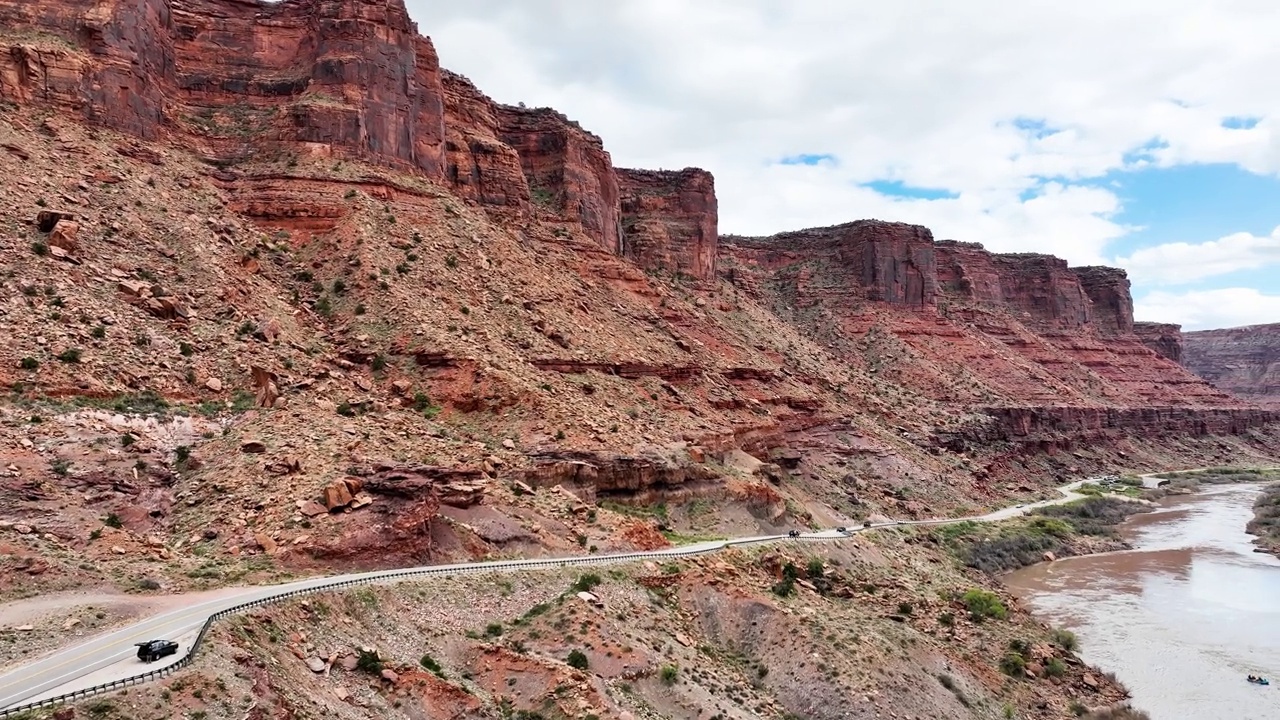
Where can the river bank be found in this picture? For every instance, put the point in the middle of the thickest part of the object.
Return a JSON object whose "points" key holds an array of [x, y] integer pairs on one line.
{"points": [[1265, 525], [1183, 615]]}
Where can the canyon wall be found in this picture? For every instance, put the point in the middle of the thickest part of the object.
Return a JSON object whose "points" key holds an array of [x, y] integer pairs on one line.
{"points": [[568, 170], [1243, 360], [478, 165], [669, 220], [859, 262], [238, 79], [1021, 328], [1108, 292], [1165, 339]]}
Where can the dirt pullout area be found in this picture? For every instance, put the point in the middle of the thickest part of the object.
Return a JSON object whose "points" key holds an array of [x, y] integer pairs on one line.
{"points": [[36, 626], [878, 625]]}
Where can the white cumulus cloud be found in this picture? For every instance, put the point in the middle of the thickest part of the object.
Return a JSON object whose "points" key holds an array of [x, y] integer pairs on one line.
{"points": [[1181, 262], [1015, 109], [1207, 309]]}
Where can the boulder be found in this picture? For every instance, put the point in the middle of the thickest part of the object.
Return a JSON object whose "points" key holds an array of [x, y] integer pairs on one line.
{"points": [[337, 496], [65, 235]]}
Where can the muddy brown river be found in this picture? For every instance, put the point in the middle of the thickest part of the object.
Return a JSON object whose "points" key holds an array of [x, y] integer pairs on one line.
{"points": [[1182, 618]]}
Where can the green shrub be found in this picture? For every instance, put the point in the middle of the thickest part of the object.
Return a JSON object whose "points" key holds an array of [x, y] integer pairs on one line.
{"points": [[493, 629], [669, 674], [905, 608], [815, 568], [1055, 668], [368, 661], [430, 664], [1065, 639], [70, 355], [113, 521], [947, 619], [983, 604], [586, 582], [29, 363], [1013, 664], [577, 659]]}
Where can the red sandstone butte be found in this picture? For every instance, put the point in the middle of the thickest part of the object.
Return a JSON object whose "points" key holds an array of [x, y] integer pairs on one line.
{"points": [[1242, 360], [669, 220]]}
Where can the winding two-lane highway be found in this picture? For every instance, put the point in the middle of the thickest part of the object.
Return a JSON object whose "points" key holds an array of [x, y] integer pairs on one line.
{"points": [[112, 656]]}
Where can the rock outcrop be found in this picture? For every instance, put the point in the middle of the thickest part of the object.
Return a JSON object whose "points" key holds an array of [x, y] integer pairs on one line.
{"points": [[479, 165], [1165, 339], [858, 262], [568, 170], [1243, 360], [238, 79], [1040, 289], [669, 220], [1108, 291]]}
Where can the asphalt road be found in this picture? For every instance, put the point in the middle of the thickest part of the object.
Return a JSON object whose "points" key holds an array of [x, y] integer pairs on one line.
{"points": [[113, 656]]}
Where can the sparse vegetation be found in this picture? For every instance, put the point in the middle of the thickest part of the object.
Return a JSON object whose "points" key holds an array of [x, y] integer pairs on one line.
{"points": [[577, 659], [983, 604], [70, 355]]}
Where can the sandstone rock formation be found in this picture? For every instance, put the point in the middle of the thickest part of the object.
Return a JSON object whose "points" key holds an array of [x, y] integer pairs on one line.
{"points": [[568, 170], [669, 220], [1243, 360], [237, 78], [867, 261], [480, 166], [1164, 338]]}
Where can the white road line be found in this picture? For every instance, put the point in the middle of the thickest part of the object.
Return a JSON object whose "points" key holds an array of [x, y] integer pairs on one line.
{"points": [[200, 613]]}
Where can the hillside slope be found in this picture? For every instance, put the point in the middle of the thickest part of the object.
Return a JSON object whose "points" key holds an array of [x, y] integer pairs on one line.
{"points": [[283, 296]]}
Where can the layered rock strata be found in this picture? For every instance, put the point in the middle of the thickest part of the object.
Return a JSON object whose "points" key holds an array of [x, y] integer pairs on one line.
{"points": [[1243, 360], [669, 220]]}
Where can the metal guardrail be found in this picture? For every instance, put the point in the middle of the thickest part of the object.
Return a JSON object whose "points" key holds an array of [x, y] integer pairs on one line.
{"points": [[189, 657], [375, 577]]}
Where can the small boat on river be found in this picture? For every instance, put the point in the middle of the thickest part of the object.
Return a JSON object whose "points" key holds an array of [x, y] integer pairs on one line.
{"points": [[1259, 680]]}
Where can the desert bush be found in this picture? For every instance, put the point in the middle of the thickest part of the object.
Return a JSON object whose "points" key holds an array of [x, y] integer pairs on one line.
{"points": [[983, 604]]}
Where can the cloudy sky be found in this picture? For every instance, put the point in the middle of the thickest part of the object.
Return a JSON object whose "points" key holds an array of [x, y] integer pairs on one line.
{"points": [[1126, 132]]}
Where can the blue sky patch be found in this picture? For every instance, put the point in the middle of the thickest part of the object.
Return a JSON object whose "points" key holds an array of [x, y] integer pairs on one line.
{"points": [[808, 159], [896, 188], [1035, 127], [1196, 204], [1240, 123]]}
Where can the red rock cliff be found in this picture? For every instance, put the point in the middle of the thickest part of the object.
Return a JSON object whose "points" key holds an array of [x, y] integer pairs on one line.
{"points": [[1163, 338], [568, 170], [479, 166], [669, 220], [867, 260], [345, 78], [1040, 288], [1243, 360], [1108, 290]]}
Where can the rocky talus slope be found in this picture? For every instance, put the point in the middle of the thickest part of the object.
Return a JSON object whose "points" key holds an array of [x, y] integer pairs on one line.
{"points": [[283, 296], [1244, 361]]}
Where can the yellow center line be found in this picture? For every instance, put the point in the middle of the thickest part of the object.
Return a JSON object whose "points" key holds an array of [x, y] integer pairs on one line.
{"points": [[120, 636]]}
